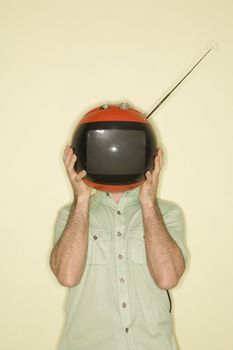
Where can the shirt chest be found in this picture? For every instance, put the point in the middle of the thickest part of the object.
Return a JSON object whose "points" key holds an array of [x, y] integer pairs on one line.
{"points": [[116, 234]]}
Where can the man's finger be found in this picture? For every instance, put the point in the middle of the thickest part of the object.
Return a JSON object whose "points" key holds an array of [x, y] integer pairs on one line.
{"points": [[148, 176], [158, 160], [67, 155], [70, 165], [157, 168], [81, 175], [160, 154], [65, 151]]}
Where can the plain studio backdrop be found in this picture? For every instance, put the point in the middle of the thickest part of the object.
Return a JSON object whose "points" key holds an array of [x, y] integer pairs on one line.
{"points": [[58, 60]]}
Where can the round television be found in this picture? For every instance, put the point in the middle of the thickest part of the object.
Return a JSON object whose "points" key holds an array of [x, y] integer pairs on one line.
{"points": [[116, 145]]}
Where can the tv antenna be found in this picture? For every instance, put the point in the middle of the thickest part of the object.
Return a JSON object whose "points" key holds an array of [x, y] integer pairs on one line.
{"points": [[211, 47]]}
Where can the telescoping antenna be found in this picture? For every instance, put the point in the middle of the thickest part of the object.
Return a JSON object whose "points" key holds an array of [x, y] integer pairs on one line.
{"points": [[211, 47]]}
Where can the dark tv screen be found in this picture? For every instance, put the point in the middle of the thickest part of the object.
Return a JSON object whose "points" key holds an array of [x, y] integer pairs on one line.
{"points": [[116, 152]]}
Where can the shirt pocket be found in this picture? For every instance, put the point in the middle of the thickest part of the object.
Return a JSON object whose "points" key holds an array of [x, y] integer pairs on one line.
{"points": [[98, 247], [137, 246], [137, 253]]}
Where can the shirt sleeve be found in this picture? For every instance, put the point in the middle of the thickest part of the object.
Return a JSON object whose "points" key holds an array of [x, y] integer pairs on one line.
{"points": [[61, 221], [174, 220]]}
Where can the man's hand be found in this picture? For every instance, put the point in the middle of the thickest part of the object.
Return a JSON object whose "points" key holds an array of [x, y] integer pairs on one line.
{"points": [[80, 189], [148, 191]]}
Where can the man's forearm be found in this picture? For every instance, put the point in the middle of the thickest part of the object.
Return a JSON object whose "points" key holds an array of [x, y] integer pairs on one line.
{"points": [[68, 257], [164, 257]]}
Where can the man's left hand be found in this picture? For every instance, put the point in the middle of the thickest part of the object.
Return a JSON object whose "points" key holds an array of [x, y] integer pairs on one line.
{"points": [[149, 188]]}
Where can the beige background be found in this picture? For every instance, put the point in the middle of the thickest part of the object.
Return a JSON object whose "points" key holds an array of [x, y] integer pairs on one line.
{"points": [[58, 60]]}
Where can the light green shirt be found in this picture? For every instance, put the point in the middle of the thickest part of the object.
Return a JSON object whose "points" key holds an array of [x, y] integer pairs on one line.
{"points": [[117, 305]]}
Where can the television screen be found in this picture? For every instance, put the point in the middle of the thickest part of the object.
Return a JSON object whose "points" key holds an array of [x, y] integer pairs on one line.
{"points": [[115, 152]]}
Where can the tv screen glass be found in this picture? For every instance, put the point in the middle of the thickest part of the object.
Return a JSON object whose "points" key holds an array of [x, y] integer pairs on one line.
{"points": [[115, 152]]}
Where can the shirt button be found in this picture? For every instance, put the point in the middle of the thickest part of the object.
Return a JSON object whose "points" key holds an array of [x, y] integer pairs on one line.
{"points": [[95, 237], [124, 305], [126, 329], [118, 212], [120, 256], [122, 280], [119, 233]]}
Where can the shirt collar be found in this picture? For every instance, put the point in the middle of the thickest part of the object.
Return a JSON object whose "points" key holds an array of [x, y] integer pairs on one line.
{"points": [[129, 197]]}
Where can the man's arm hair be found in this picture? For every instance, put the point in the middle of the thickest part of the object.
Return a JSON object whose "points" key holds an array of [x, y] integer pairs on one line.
{"points": [[69, 254], [164, 257]]}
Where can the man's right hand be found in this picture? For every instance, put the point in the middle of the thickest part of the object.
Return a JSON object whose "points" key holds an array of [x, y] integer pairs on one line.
{"points": [[80, 189]]}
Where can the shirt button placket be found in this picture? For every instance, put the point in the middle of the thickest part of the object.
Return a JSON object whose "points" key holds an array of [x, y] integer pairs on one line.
{"points": [[121, 276]]}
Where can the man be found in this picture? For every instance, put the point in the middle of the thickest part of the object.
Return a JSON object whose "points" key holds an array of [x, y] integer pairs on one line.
{"points": [[118, 253]]}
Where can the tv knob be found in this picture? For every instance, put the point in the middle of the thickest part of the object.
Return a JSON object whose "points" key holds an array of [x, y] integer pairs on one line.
{"points": [[124, 105], [105, 106]]}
